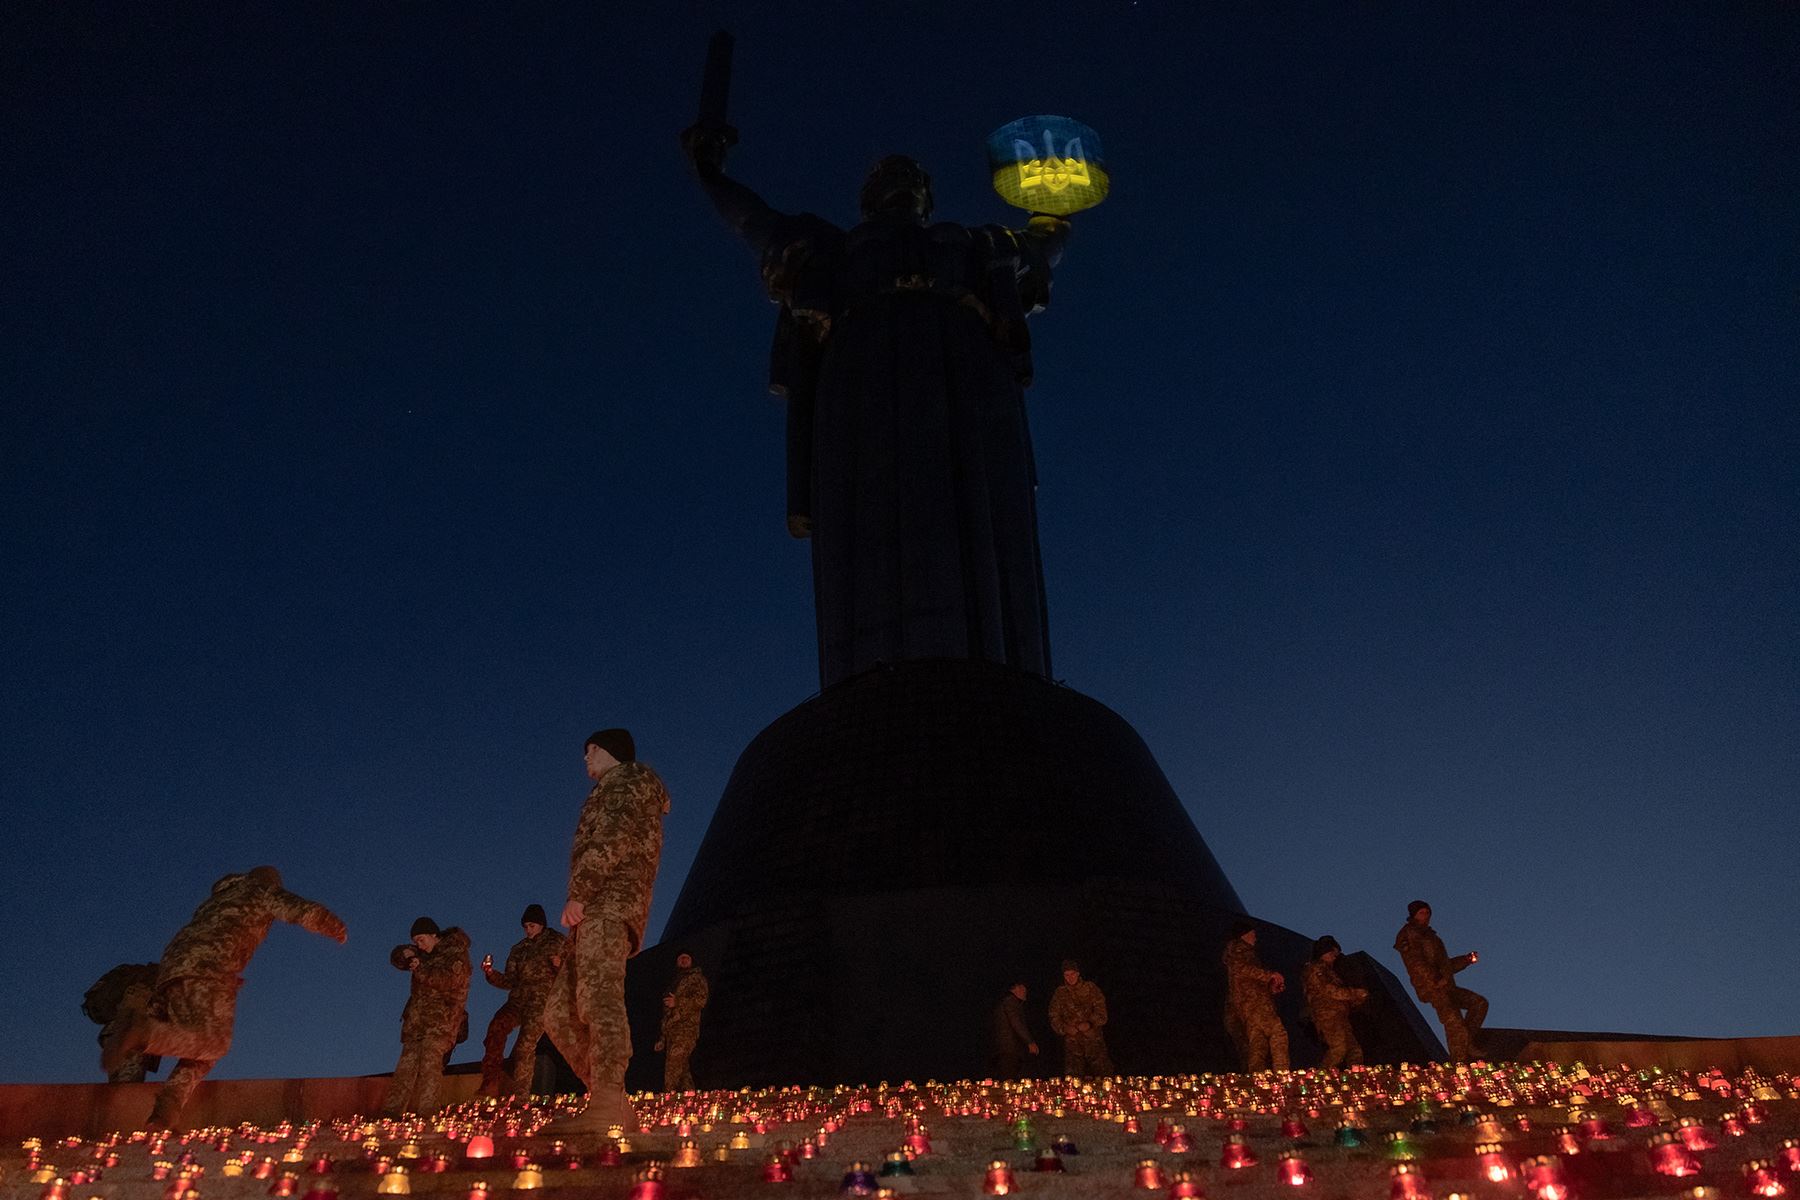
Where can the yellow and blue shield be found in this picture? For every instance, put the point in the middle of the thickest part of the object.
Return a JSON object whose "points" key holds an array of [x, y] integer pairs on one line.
{"points": [[1048, 165]]}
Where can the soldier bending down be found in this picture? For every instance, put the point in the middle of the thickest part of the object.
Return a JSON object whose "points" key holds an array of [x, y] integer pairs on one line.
{"points": [[191, 1013]]}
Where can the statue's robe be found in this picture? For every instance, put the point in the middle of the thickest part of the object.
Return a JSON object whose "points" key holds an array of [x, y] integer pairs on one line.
{"points": [[903, 354]]}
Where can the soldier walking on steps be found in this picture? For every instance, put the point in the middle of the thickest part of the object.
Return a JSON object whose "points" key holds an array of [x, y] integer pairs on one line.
{"points": [[1253, 988], [435, 1011], [1433, 973], [194, 1005], [1330, 1002], [681, 1023], [530, 967], [612, 869], [1078, 1015]]}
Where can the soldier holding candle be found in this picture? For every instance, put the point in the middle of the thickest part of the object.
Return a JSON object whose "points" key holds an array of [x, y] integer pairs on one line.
{"points": [[530, 967], [612, 868], [1253, 988], [1433, 973], [434, 1013], [1078, 1015], [1330, 1002], [194, 1005]]}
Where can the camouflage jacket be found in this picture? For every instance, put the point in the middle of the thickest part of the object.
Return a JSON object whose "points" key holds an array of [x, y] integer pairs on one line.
{"points": [[1247, 981], [1073, 1005], [440, 989], [1428, 965], [690, 991], [618, 842], [107, 996], [530, 966], [1326, 995], [224, 932]]}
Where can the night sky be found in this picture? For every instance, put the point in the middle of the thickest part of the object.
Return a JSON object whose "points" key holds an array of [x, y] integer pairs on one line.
{"points": [[383, 412]]}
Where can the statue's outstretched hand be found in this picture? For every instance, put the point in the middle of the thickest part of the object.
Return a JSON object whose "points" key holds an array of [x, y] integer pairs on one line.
{"points": [[706, 147]]}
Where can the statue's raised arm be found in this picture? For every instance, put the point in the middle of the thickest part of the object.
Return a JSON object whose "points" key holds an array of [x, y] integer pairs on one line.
{"points": [[749, 216]]}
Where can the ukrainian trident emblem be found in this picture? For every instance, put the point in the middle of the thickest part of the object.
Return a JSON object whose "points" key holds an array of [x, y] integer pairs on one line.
{"points": [[1048, 165]]}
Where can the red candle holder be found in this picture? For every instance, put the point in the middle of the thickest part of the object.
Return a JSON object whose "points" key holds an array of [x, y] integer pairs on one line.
{"points": [[1406, 1183], [1179, 1142], [1544, 1178], [609, 1155], [1292, 1128], [776, 1170], [285, 1184], [647, 1186], [1149, 1176], [479, 1146], [1789, 1155], [1236, 1153], [1671, 1157], [1761, 1179], [999, 1179], [1694, 1135], [1048, 1161], [1496, 1165], [1183, 1186], [1294, 1170], [1732, 1125]]}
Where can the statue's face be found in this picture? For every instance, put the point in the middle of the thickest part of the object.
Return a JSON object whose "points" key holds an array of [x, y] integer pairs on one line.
{"points": [[897, 185]]}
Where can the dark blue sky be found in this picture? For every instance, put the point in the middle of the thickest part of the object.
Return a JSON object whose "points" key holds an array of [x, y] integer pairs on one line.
{"points": [[1417, 427]]}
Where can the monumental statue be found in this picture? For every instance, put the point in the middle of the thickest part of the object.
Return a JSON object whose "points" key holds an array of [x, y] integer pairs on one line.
{"points": [[943, 819]]}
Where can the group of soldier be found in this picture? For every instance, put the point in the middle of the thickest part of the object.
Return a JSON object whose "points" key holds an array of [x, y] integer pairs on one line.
{"points": [[571, 988], [1078, 1008]]}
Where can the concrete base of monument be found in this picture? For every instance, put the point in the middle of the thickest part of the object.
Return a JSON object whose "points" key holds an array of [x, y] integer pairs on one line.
{"points": [[891, 854], [902, 985]]}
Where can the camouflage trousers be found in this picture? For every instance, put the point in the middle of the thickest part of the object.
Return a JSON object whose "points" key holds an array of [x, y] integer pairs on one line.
{"points": [[1265, 1041], [1234, 1029], [190, 1020], [1085, 1054], [1461, 1013], [677, 1075], [419, 1075], [527, 1016], [1341, 1047], [585, 1016]]}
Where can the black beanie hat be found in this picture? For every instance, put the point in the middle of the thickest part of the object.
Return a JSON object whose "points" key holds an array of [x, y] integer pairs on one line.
{"points": [[1240, 927], [616, 742], [1324, 946], [1412, 910], [400, 954], [534, 915], [424, 925]]}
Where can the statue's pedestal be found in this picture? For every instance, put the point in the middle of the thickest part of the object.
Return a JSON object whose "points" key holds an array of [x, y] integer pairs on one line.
{"points": [[890, 855]]}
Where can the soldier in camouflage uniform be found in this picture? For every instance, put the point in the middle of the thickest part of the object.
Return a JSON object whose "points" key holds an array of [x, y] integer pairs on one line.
{"points": [[681, 1023], [530, 966], [1078, 1015], [1433, 974], [435, 1011], [192, 1010], [1330, 1002], [116, 1001], [618, 843], [1252, 995]]}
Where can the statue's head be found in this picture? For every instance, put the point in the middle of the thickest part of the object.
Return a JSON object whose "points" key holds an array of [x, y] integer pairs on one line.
{"points": [[897, 185]]}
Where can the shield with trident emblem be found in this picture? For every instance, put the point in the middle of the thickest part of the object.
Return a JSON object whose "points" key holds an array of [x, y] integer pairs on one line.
{"points": [[1048, 164]]}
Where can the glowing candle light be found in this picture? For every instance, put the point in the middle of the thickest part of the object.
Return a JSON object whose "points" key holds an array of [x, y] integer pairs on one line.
{"points": [[1496, 1167], [284, 1184], [1694, 1135], [1149, 1176], [1406, 1183], [776, 1170], [1179, 1142], [1544, 1177], [394, 1183], [647, 1185], [1183, 1186], [1294, 1170], [1236, 1154], [1048, 1160], [1789, 1155], [1292, 1128], [1760, 1177], [999, 1179], [1671, 1157]]}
